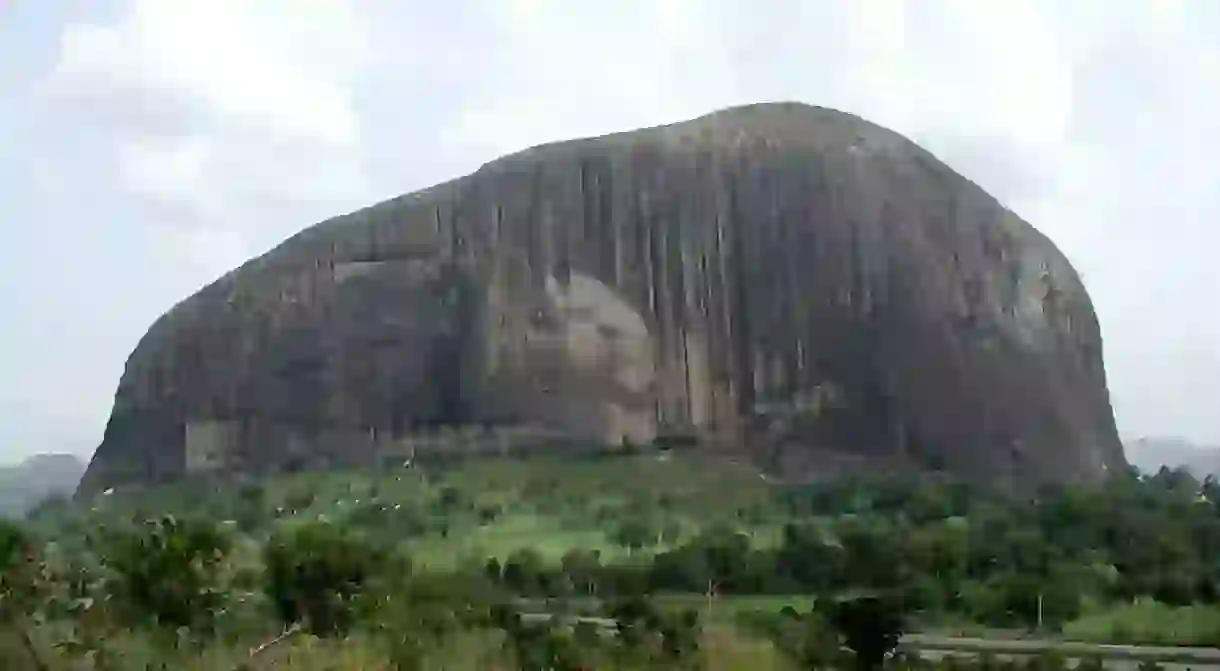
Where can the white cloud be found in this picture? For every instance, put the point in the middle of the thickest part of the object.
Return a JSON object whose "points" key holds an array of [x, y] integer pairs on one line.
{"points": [[172, 169], [230, 114], [555, 70], [213, 251], [276, 65]]}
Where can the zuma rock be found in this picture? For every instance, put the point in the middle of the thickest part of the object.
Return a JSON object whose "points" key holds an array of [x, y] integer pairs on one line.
{"points": [[786, 280]]}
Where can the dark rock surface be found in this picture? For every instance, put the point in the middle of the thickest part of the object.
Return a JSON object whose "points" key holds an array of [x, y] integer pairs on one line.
{"points": [[779, 278]]}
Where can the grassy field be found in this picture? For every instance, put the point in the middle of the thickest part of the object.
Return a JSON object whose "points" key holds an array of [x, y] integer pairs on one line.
{"points": [[550, 505], [1148, 623]]}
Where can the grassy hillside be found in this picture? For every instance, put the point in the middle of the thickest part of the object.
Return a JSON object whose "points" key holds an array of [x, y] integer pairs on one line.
{"points": [[479, 508]]}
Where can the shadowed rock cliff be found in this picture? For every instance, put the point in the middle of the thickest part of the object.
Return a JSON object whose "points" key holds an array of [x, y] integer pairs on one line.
{"points": [[783, 279]]}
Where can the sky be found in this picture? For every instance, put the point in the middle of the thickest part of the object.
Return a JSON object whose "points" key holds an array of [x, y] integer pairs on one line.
{"points": [[148, 146]]}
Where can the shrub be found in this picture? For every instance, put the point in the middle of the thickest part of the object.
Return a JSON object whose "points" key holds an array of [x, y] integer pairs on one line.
{"points": [[871, 627], [19, 591], [807, 640], [314, 575], [167, 572], [17, 568]]}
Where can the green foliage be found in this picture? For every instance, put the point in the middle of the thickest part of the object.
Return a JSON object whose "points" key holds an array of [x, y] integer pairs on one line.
{"points": [[634, 533], [1132, 560], [643, 631], [17, 572], [1147, 622], [21, 588], [580, 568], [315, 574], [808, 640], [524, 572], [387, 521], [426, 612], [870, 626], [449, 499], [167, 573], [541, 646]]}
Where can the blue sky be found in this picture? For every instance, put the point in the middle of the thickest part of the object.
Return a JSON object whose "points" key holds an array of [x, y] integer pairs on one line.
{"points": [[147, 146]]}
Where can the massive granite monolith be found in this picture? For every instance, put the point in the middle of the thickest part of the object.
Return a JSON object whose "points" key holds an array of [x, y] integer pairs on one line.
{"points": [[786, 280]]}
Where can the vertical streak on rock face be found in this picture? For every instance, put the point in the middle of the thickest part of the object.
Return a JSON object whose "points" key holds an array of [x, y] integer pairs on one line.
{"points": [[675, 294], [719, 295], [652, 264], [685, 302], [718, 305], [496, 321], [610, 249], [436, 222], [665, 317], [655, 217], [698, 328], [694, 325], [718, 308], [766, 339], [791, 309], [546, 241], [776, 347], [607, 214], [741, 338], [530, 224]]}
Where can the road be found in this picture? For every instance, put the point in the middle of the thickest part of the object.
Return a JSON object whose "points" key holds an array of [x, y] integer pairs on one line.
{"points": [[1115, 656], [1123, 657]]}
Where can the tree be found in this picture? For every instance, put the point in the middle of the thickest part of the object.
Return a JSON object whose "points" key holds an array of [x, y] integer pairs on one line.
{"points": [[940, 551], [870, 625], [808, 640], [540, 646], [581, 568], [315, 574], [930, 501], [728, 557], [19, 587], [684, 569], [493, 570], [635, 618], [419, 616], [873, 552], [634, 533], [167, 572], [449, 499], [814, 562], [523, 571], [680, 635], [248, 508]]}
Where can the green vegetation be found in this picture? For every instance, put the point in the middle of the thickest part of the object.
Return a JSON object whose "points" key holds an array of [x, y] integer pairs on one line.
{"points": [[1148, 622], [620, 562]]}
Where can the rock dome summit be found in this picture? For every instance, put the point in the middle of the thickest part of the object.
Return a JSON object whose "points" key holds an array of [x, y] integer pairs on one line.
{"points": [[785, 280]]}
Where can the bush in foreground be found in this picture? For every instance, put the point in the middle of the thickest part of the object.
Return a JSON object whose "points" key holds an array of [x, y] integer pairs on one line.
{"points": [[167, 573], [316, 573]]}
